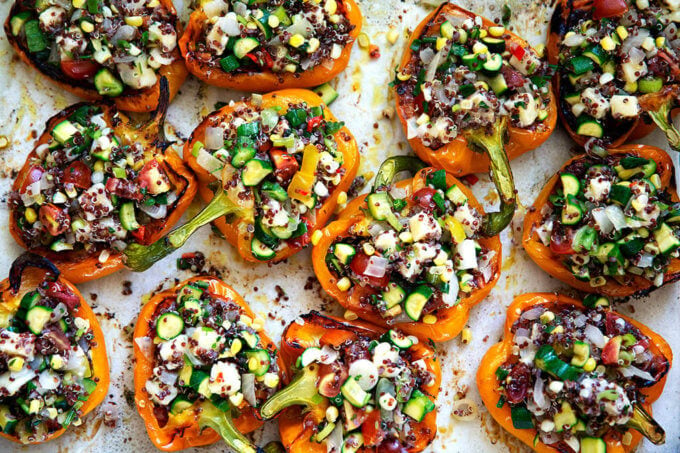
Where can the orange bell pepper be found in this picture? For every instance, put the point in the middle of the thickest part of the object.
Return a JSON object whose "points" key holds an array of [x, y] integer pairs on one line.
{"points": [[80, 266], [265, 80], [194, 426], [551, 262], [29, 272], [238, 199], [488, 381], [304, 408], [143, 100], [459, 156], [450, 321], [657, 108]]}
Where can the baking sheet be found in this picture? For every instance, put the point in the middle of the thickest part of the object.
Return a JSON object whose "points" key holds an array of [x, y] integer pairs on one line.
{"points": [[280, 292]]}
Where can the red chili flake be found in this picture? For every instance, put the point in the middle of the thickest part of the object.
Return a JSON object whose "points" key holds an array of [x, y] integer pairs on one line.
{"points": [[313, 122]]}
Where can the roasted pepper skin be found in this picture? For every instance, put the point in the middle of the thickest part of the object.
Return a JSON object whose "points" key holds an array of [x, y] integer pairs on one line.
{"points": [[9, 302], [551, 263], [235, 231], [487, 381], [316, 329], [184, 432], [80, 266], [452, 320], [266, 81], [456, 157], [144, 100], [642, 125]]}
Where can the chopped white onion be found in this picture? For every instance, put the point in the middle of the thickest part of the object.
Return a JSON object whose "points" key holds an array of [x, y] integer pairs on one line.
{"points": [[157, 211], [615, 215], [426, 55], [530, 315], [539, 392], [594, 335], [602, 221], [631, 371], [377, 266], [214, 137], [145, 345], [210, 163], [248, 388], [125, 33]]}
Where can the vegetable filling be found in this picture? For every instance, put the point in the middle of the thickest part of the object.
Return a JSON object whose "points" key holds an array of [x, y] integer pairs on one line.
{"points": [[45, 363], [575, 373], [287, 165], [272, 35], [413, 254], [463, 76], [88, 190], [109, 45], [610, 218], [206, 348]]}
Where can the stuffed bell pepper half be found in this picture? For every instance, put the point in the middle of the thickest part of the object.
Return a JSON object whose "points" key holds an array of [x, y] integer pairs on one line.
{"points": [[466, 85], [95, 183], [574, 377], [203, 366], [411, 254], [272, 169], [101, 49], [54, 368], [356, 388], [609, 225], [267, 45], [618, 69]]}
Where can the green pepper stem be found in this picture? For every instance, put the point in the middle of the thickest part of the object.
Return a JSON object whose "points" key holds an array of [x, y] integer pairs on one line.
{"points": [[392, 166], [478, 139], [662, 118], [302, 391], [140, 257], [221, 422], [647, 426]]}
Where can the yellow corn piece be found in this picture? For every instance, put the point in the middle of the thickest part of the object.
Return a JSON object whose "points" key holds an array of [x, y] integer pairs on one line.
{"points": [[456, 229]]}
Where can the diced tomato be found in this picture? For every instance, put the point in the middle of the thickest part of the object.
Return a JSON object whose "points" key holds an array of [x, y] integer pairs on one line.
{"points": [[470, 179], [79, 69], [55, 220], [609, 8], [372, 429], [253, 58], [423, 198], [302, 241], [124, 188], [561, 241], [34, 175], [286, 165], [337, 374], [359, 264], [153, 179], [268, 60], [314, 122], [610, 352], [139, 233], [58, 291], [517, 50], [78, 174]]}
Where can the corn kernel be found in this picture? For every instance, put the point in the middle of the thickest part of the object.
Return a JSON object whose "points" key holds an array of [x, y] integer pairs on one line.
{"points": [[52, 413], [622, 32], [558, 329], [350, 315], [424, 118], [34, 406], [134, 21], [246, 320], [236, 399], [462, 36], [483, 33], [392, 36], [363, 40], [547, 317], [441, 42], [445, 277], [344, 283], [656, 180], [271, 380], [660, 41], [368, 249], [429, 319], [16, 364], [440, 259], [496, 32], [153, 3], [258, 324], [296, 40], [466, 335], [630, 87], [540, 50], [403, 77], [253, 363], [4, 142], [316, 237], [86, 26], [236, 346], [30, 215], [335, 18], [336, 51], [78, 4], [290, 67], [314, 44], [330, 7], [648, 43], [406, 236], [589, 365], [393, 312], [608, 43], [332, 414], [482, 85], [273, 21], [342, 197], [253, 26]]}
